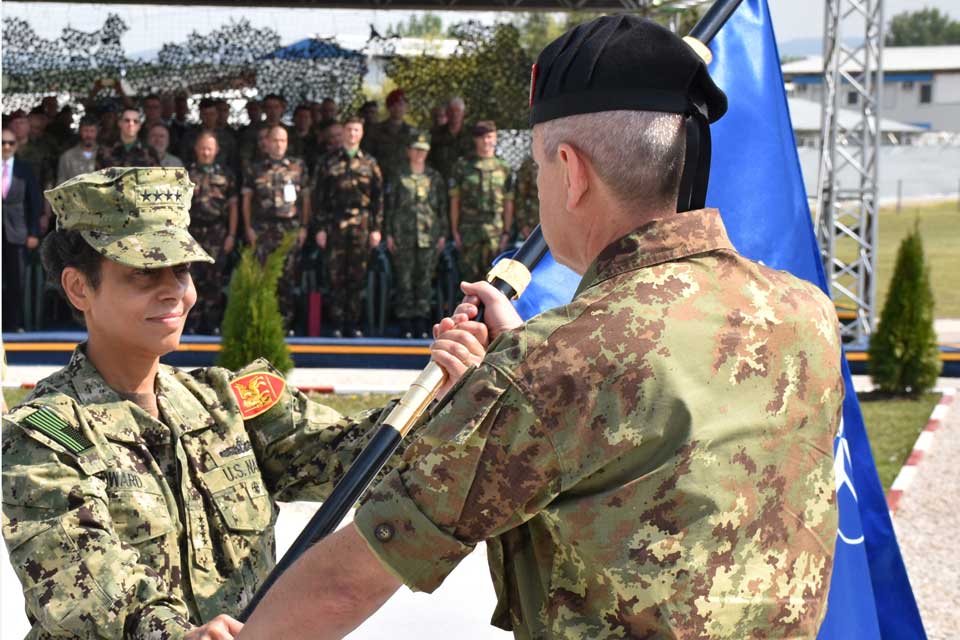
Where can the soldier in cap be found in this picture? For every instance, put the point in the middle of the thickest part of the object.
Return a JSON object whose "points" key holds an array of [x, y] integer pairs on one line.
{"points": [[139, 501], [481, 203], [651, 460], [416, 228]]}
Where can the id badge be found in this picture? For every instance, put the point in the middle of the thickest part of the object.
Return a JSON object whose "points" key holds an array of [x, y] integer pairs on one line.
{"points": [[289, 192]]}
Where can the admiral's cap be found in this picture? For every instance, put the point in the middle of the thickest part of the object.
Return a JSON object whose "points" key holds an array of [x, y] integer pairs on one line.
{"points": [[135, 216], [420, 140], [615, 63]]}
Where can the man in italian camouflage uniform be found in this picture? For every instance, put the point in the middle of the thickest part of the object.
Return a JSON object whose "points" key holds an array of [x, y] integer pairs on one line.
{"points": [[416, 228], [653, 459], [526, 213], [481, 203], [451, 141], [213, 223], [139, 501], [128, 151], [276, 201], [349, 197], [388, 139]]}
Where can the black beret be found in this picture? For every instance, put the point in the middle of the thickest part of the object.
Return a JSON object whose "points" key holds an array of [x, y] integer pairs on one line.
{"points": [[623, 62]]}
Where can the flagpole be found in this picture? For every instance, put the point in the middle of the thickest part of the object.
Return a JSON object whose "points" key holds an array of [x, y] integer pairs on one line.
{"points": [[510, 276]]}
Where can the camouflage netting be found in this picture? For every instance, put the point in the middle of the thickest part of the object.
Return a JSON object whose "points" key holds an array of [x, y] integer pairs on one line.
{"points": [[236, 60], [490, 70]]}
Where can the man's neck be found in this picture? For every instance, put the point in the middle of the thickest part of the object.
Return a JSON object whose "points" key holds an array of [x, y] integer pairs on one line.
{"points": [[418, 167], [128, 143], [616, 222], [455, 127]]}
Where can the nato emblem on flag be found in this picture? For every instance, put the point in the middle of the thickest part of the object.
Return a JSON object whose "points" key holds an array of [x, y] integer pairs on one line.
{"points": [[756, 184]]}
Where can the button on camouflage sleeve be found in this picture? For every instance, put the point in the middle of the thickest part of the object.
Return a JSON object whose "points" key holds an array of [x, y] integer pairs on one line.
{"points": [[79, 579], [484, 465], [303, 447]]}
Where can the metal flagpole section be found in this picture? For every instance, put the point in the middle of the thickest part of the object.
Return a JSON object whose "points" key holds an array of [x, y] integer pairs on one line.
{"points": [[847, 209]]}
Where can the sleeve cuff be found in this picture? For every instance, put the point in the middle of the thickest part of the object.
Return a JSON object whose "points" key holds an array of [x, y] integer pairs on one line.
{"points": [[407, 542], [162, 622]]}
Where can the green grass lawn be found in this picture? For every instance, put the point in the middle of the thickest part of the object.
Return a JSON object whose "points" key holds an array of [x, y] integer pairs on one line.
{"points": [[940, 229], [892, 424]]}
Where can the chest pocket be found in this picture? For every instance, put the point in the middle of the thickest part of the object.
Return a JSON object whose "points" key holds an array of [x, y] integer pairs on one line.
{"points": [[137, 506], [237, 491]]}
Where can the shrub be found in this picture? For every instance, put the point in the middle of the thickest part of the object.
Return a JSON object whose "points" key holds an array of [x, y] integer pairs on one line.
{"points": [[904, 357], [252, 325]]}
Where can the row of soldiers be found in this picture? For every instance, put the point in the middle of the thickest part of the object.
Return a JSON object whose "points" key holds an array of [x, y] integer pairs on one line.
{"points": [[344, 186]]}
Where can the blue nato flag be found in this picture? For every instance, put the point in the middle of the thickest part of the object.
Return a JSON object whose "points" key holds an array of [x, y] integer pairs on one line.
{"points": [[756, 183]]}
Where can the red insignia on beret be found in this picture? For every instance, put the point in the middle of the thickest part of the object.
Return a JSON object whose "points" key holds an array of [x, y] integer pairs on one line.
{"points": [[257, 392], [533, 81]]}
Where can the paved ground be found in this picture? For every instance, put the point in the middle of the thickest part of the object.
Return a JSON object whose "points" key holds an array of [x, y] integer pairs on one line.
{"points": [[926, 523]]}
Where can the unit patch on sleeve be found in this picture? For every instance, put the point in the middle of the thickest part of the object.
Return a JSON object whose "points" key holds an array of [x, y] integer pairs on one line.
{"points": [[257, 392], [56, 428]]}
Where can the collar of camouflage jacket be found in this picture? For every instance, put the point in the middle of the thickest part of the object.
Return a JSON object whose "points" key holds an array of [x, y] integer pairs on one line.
{"points": [[128, 423], [681, 235]]}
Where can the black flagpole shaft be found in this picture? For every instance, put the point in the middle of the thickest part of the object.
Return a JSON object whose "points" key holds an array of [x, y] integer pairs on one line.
{"points": [[388, 437], [716, 16]]}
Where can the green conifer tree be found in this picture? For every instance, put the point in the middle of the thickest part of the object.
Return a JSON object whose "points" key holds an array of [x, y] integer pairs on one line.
{"points": [[252, 325], [904, 357]]}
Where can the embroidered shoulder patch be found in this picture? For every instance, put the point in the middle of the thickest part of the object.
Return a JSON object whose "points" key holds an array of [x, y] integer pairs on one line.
{"points": [[57, 429], [257, 392]]}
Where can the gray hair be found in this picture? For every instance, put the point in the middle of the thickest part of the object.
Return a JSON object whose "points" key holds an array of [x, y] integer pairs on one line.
{"points": [[457, 101], [638, 154]]}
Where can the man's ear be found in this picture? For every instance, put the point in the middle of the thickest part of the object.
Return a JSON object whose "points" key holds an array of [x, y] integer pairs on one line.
{"points": [[575, 174], [77, 288]]}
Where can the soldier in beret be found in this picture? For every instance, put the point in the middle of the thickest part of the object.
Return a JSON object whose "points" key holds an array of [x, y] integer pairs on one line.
{"points": [[139, 501], [651, 460]]}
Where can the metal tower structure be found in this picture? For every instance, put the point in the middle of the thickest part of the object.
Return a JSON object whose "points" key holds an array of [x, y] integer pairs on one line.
{"points": [[847, 211]]}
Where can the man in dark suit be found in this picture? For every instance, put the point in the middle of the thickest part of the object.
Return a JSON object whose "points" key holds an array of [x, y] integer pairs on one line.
{"points": [[21, 229]]}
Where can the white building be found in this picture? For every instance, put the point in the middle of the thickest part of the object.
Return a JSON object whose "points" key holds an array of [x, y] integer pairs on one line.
{"points": [[921, 85]]}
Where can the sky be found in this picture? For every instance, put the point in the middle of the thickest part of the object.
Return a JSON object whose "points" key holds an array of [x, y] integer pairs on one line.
{"points": [[151, 26]]}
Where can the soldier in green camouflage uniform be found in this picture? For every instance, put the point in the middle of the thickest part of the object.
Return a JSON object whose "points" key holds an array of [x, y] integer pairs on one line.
{"points": [[143, 510], [349, 197], [526, 214], [481, 204], [653, 459], [276, 201], [416, 226], [213, 223]]}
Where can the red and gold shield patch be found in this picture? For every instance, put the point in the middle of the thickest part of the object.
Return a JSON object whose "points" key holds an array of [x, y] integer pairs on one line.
{"points": [[257, 392]]}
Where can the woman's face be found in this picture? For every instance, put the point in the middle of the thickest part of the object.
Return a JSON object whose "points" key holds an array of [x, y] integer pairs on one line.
{"points": [[142, 310]]}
